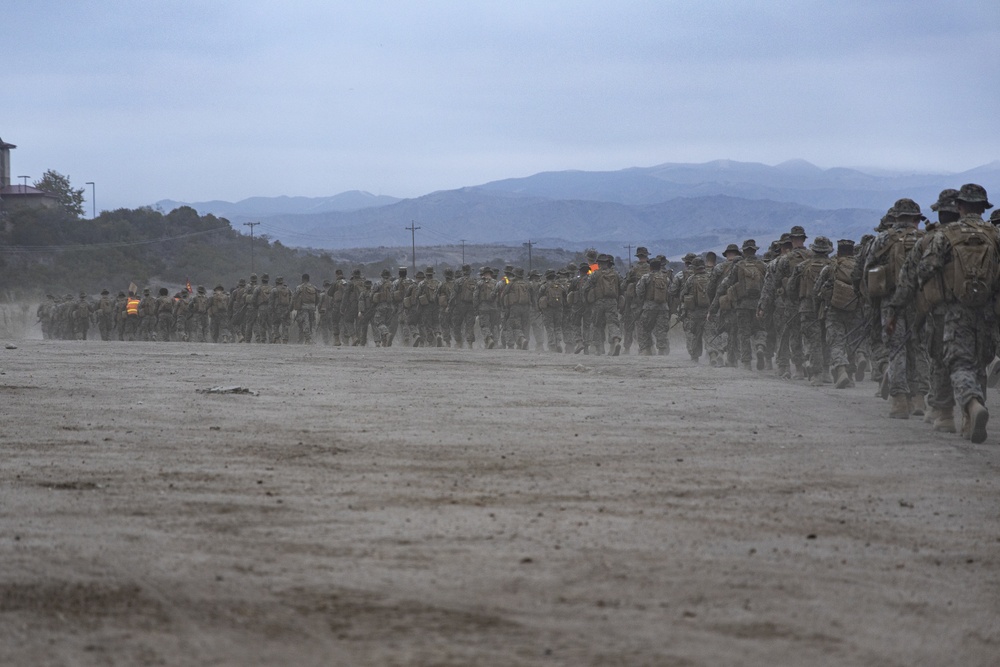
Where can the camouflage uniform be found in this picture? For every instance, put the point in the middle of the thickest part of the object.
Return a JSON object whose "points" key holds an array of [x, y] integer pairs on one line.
{"points": [[517, 297], [905, 381], [801, 293], [652, 295], [332, 314], [551, 302], [485, 306], [237, 310], [164, 316], [384, 315], [280, 302], [218, 314], [602, 290], [535, 321], [349, 334], [304, 303], [720, 321], [970, 323], [744, 282], [262, 305], [694, 306], [198, 328], [181, 311], [104, 312], [840, 318], [775, 295], [633, 307], [463, 315]]}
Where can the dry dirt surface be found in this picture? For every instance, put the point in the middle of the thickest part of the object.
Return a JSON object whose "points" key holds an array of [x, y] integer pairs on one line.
{"points": [[455, 507]]}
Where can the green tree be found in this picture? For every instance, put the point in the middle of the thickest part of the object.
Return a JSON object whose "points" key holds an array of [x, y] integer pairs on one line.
{"points": [[58, 185]]}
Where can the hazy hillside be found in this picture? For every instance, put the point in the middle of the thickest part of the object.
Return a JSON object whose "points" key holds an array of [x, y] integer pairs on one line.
{"points": [[478, 216], [255, 207], [794, 181]]}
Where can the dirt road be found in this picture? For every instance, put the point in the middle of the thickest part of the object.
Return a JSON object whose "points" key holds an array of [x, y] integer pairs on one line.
{"points": [[447, 507]]}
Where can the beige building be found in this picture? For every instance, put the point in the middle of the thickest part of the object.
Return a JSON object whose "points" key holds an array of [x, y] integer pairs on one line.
{"points": [[18, 195]]}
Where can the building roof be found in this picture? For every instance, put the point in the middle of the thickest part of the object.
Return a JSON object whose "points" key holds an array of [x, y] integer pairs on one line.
{"points": [[22, 190]]}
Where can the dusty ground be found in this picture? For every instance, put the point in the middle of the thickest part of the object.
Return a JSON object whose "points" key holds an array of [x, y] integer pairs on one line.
{"points": [[445, 507]]}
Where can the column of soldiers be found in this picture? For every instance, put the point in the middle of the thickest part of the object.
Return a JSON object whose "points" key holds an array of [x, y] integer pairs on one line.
{"points": [[915, 307]]}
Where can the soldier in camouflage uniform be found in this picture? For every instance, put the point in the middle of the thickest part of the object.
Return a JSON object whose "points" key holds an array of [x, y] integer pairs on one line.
{"points": [[929, 318], [577, 303], [601, 291], [445, 313], [182, 313], [485, 306], [652, 292], [694, 306], [164, 316], [720, 316], [835, 294], [104, 312], [535, 323], [349, 308], [385, 309], [551, 304], [875, 350], [632, 308], [744, 283], [400, 290], [305, 302], [262, 304], [518, 298], [802, 294], [324, 315], [426, 310], [198, 321], [147, 316], [905, 384], [280, 302], [463, 315], [218, 314], [237, 310], [789, 334], [963, 256]]}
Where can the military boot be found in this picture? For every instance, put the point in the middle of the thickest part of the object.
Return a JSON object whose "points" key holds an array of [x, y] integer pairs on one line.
{"points": [[841, 377], [580, 347], [931, 415], [761, 363], [944, 421], [439, 340], [899, 407], [918, 406], [978, 416], [883, 387], [616, 347], [490, 343], [768, 365], [521, 343], [862, 368], [417, 340], [993, 372]]}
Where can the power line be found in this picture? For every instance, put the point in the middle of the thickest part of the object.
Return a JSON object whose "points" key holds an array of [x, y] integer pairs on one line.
{"points": [[251, 225]]}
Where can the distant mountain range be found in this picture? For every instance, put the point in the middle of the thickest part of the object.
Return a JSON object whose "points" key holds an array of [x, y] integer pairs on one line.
{"points": [[256, 207], [672, 208]]}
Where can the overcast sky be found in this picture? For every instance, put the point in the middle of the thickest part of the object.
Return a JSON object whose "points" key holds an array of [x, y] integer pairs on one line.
{"points": [[220, 99]]}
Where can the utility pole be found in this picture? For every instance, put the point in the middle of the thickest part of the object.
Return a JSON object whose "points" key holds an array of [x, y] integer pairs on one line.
{"points": [[251, 225], [529, 244], [463, 252], [629, 247], [24, 180], [413, 240]]}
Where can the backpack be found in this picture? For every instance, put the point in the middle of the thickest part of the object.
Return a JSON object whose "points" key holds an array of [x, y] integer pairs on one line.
{"points": [[201, 304], [890, 258], [309, 295], [518, 293], [550, 296], [605, 284], [428, 291], [843, 296], [468, 292], [656, 291], [697, 296], [484, 288], [970, 277], [811, 269], [749, 278], [283, 297]]}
